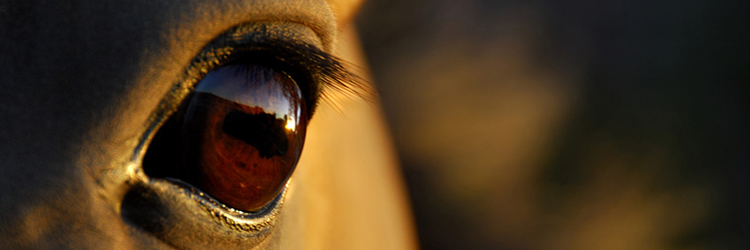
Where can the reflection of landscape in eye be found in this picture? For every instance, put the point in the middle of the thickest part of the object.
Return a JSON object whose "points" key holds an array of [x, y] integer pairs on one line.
{"points": [[248, 85], [262, 131]]}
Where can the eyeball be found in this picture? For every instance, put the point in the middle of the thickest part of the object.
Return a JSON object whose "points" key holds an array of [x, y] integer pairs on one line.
{"points": [[237, 138], [243, 130]]}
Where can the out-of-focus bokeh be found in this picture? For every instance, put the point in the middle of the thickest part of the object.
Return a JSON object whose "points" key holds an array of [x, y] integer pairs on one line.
{"points": [[568, 124]]}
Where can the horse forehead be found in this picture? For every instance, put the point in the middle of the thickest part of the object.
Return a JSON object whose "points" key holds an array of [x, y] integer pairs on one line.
{"points": [[107, 41], [89, 54]]}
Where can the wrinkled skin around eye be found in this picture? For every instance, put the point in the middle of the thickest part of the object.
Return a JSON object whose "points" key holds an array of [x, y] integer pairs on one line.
{"points": [[243, 132]]}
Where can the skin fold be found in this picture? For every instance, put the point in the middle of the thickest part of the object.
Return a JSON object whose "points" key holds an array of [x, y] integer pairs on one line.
{"points": [[81, 82]]}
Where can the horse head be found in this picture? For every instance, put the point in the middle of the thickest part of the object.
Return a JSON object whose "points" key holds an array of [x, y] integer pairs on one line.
{"points": [[162, 124]]}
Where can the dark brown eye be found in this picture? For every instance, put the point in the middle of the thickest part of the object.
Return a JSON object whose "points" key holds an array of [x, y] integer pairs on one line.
{"points": [[238, 138]]}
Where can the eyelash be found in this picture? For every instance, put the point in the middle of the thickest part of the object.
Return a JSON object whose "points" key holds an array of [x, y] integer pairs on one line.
{"points": [[318, 73]]}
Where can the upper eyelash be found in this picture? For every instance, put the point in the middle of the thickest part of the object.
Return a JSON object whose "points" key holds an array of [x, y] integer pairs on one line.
{"points": [[325, 74]]}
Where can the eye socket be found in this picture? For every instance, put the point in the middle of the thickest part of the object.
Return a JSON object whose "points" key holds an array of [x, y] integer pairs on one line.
{"points": [[237, 137]]}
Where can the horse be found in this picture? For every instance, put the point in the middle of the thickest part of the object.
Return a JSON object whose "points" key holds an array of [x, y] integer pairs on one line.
{"points": [[104, 147]]}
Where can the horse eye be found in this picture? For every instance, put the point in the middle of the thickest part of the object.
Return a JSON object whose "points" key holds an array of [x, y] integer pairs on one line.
{"points": [[237, 138]]}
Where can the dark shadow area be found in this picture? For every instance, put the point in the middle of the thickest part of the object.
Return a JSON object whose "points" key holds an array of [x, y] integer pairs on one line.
{"points": [[568, 125]]}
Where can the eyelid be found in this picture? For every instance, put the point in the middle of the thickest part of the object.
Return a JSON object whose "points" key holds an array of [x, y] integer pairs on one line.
{"points": [[291, 44]]}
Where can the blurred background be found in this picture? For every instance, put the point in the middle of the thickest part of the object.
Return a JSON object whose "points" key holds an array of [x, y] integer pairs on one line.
{"points": [[576, 124]]}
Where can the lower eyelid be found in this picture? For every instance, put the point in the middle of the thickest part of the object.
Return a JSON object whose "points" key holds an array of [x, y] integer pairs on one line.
{"points": [[171, 209]]}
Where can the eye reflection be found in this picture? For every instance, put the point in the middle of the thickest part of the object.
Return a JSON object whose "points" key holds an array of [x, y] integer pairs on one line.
{"points": [[243, 131]]}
